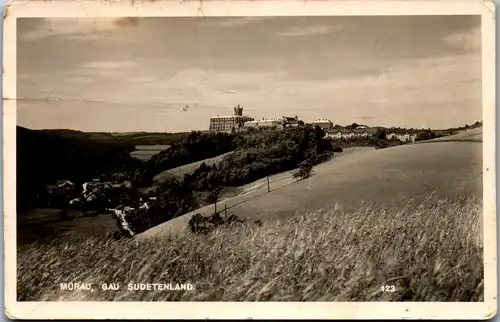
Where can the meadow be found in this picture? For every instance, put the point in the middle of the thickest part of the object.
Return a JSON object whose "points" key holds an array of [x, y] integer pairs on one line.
{"points": [[330, 255], [43, 225], [145, 152]]}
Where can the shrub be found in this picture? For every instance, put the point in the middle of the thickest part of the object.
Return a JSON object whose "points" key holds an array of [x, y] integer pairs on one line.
{"points": [[305, 170], [382, 144], [200, 224]]}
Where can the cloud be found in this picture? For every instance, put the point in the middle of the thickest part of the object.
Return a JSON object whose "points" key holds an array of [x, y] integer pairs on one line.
{"points": [[79, 80], [470, 39], [229, 22], [141, 79], [77, 28], [103, 73], [110, 64], [367, 117], [310, 30], [434, 80]]}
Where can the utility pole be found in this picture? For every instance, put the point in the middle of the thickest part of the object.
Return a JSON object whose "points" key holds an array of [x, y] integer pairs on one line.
{"points": [[268, 186]]}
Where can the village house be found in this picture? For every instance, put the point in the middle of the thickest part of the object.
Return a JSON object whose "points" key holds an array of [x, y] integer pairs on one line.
{"points": [[360, 132], [403, 137], [364, 132], [338, 134], [291, 121], [275, 122], [272, 122]]}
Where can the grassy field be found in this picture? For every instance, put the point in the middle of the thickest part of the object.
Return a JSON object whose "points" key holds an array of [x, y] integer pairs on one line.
{"points": [[386, 178], [145, 152], [43, 225], [330, 255], [180, 171]]}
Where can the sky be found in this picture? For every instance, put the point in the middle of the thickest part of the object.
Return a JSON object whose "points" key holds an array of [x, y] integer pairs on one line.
{"points": [[173, 74]]}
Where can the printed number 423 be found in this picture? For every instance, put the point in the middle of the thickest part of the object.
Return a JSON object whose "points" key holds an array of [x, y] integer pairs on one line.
{"points": [[388, 288]]}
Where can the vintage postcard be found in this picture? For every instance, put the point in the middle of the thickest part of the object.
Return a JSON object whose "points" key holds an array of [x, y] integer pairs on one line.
{"points": [[250, 159]]}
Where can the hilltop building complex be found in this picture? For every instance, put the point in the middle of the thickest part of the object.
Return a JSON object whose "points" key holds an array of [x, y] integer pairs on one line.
{"points": [[276, 122], [238, 122], [228, 123], [273, 122]]}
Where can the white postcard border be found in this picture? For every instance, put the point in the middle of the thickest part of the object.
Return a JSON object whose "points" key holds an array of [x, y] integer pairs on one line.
{"points": [[213, 310]]}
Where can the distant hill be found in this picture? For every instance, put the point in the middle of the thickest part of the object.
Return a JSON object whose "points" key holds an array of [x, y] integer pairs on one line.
{"points": [[471, 135], [130, 138]]}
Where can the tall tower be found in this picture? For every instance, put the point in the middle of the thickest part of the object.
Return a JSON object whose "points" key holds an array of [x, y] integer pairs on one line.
{"points": [[238, 110]]}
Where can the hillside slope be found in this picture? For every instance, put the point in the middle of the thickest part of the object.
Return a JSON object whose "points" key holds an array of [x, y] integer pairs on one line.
{"points": [[472, 135], [387, 178]]}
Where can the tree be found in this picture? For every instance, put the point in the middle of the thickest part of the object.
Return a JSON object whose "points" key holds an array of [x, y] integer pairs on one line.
{"points": [[213, 197], [382, 144], [320, 133], [380, 134], [305, 170], [422, 136], [196, 223]]}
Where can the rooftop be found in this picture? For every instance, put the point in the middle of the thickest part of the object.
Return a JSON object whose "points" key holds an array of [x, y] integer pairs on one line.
{"points": [[266, 120], [230, 116]]}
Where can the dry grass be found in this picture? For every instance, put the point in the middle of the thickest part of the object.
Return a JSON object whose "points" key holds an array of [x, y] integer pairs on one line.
{"points": [[429, 253]]}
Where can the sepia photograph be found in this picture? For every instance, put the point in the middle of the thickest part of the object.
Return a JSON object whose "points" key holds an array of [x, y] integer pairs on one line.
{"points": [[224, 156]]}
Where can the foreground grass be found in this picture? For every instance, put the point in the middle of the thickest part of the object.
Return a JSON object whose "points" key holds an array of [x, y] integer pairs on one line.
{"points": [[429, 253]]}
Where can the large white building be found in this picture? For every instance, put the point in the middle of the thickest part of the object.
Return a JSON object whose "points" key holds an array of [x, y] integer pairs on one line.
{"points": [[278, 123], [228, 123], [325, 124], [273, 122]]}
